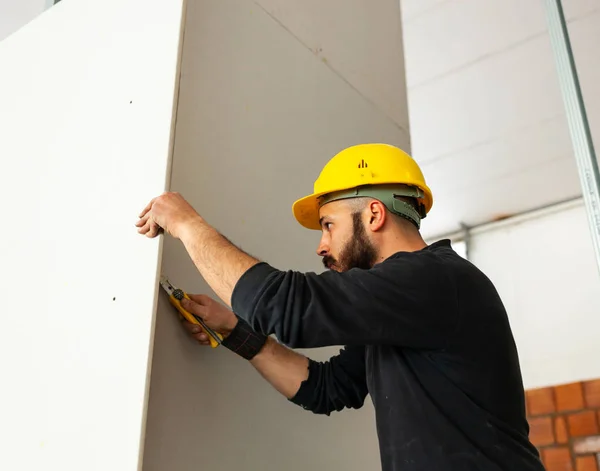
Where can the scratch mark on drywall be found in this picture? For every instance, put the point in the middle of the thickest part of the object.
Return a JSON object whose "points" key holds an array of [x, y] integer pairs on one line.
{"points": [[317, 52]]}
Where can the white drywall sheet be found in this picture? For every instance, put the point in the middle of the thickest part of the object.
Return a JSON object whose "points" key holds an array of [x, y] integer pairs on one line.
{"points": [[259, 115], [545, 272], [86, 106]]}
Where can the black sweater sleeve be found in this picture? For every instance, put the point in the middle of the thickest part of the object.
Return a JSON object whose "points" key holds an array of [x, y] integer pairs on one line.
{"points": [[408, 300], [334, 384]]}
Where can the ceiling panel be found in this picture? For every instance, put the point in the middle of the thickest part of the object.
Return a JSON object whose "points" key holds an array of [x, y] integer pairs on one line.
{"points": [[461, 32], [501, 158], [502, 94], [486, 113], [585, 39], [554, 180]]}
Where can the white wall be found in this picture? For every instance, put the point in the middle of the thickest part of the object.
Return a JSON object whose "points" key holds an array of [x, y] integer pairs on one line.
{"points": [[14, 14], [545, 270], [86, 107], [260, 113]]}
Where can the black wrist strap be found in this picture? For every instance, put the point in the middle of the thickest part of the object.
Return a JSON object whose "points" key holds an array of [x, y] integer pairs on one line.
{"points": [[244, 340]]}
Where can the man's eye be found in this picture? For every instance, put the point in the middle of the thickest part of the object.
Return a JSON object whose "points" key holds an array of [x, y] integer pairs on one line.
{"points": [[327, 224]]}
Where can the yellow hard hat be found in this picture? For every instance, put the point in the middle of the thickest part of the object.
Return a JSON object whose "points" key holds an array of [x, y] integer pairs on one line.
{"points": [[365, 165]]}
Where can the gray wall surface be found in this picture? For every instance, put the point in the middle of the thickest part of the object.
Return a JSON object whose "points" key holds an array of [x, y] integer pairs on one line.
{"points": [[260, 112]]}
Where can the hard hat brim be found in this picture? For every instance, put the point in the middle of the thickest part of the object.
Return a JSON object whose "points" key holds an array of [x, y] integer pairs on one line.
{"points": [[306, 211]]}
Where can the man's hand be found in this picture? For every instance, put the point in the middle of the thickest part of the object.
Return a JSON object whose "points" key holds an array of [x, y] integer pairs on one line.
{"points": [[220, 263], [216, 316], [169, 212]]}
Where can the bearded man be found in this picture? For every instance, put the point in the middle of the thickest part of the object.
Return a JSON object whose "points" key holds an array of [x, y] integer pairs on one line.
{"points": [[424, 331]]}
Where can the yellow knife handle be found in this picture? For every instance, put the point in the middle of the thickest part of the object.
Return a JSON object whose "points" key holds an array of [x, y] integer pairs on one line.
{"points": [[214, 342]]}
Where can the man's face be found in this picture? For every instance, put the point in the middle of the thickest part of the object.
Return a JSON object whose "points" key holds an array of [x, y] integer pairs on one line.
{"points": [[345, 243]]}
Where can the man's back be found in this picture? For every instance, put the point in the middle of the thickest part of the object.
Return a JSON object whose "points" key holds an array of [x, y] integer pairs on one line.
{"points": [[459, 407]]}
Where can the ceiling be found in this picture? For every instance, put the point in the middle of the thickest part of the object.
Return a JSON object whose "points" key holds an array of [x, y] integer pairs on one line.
{"points": [[486, 114]]}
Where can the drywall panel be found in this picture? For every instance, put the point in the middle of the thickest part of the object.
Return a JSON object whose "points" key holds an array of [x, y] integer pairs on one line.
{"points": [[259, 115], [16, 13], [545, 271], [360, 40], [86, 106]]}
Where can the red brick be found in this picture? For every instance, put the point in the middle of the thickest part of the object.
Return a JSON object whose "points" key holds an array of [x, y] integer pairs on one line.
{"points": [[569, 397], [540, 431], [557, 459], [583, 423], [560, 430], [587, 445], [540, 401], [591, 391], [586, 463]]}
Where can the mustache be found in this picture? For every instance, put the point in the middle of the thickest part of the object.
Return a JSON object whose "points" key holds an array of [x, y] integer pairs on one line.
{"points": [[328, 261]]}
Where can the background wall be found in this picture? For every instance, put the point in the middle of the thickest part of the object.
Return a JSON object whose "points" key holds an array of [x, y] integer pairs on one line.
{"points": [[86, 108], [544, 268], [264, 103]]}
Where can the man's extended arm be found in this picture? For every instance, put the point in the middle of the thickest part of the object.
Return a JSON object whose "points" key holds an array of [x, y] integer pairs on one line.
{"points": [[219, 262]]}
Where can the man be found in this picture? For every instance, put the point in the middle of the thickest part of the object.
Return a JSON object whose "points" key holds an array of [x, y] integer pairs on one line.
{"points": [[425, 332]]}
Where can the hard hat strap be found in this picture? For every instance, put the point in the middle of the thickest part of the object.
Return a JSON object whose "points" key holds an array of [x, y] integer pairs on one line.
{"points": [[388, 195]]}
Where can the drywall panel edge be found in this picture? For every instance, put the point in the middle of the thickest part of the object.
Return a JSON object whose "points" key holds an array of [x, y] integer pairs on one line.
{"points": [[86, 111], [167, 187]]}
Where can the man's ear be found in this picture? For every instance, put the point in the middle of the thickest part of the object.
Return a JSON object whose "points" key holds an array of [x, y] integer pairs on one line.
{"points": [[377, 215]]}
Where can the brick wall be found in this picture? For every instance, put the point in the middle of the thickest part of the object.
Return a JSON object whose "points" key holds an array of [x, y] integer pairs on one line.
{"points": [[565, 425]]}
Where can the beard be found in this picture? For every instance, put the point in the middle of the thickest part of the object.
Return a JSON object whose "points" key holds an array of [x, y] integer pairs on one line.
{"points": [[358, 252]]}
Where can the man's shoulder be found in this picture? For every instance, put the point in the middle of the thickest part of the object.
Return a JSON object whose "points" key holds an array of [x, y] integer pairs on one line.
{"points": [[438, 256]]}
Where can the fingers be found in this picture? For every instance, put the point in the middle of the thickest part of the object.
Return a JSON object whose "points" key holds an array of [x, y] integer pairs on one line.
{"points": [[154, 230], [147, 208], [149, 228], [143, 226], [197, 305], [142, 220], [146, 226], [197, 333], [201, 299]]}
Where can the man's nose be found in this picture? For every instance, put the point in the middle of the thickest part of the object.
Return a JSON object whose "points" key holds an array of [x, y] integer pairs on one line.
{"points": [[322, 249]]}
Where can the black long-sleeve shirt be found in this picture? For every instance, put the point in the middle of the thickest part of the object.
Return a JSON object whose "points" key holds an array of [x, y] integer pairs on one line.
{"points": [[426, 335]]}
